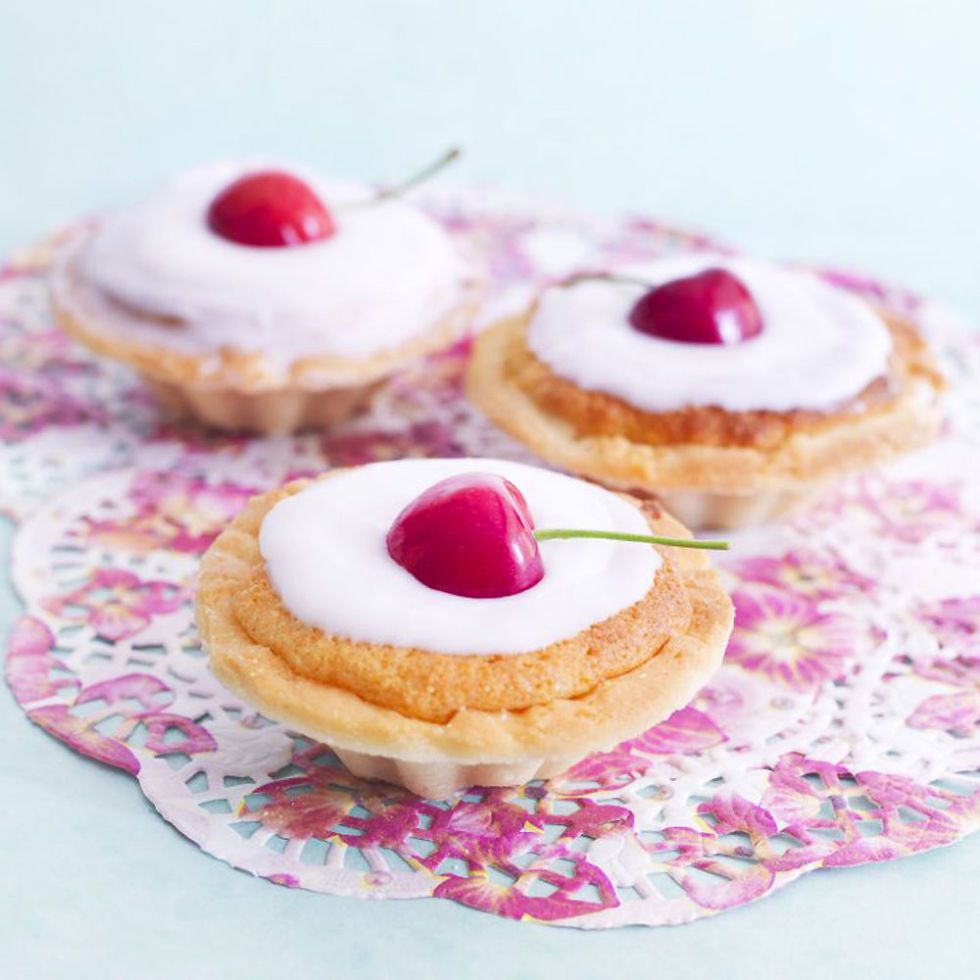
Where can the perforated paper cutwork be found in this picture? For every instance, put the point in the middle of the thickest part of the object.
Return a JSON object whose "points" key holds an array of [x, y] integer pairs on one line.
{"points": [[843, 728]]}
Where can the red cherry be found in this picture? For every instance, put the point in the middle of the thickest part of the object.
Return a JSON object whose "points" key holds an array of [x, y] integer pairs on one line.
{"points": [[712, 307], [469, 535], [269, 209]]}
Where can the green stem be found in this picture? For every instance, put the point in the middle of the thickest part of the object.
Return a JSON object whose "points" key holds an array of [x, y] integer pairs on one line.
{"points": [[453, 153], [551, 534]]}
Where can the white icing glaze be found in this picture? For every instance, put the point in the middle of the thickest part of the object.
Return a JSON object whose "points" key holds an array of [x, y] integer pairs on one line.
{"points": [[387, 273], [819, 345], [326, 557]]}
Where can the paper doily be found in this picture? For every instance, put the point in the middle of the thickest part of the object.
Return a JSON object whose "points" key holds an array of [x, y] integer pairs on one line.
{"points": [[843, 728]]}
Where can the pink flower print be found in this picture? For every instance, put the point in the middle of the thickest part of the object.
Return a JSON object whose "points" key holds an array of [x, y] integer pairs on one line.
{"points": [[149, 692], [376, 445], [503, 240], [726, 874], [955, 623], [509, 898], [392, 821], [817, 804], [742, 704], [29, 404], [297, 809], [318, 802], [138, 700], [854, 283], [791, 800], [731, 887], [734, 814], [908, 512], [587, 820], [784, 636], [639, 239], [893, 794], [24, 265], [452, 216], [486, 831], [591, 819], [80, 735], [686, 732], [957, 713], [45, 355], [173, 510], [893, 297], [801, 791], [286, 880], [806, 572], [195, 509], [913, 510], [29, 662], [161, 727], [116, 604], [959, 672]]}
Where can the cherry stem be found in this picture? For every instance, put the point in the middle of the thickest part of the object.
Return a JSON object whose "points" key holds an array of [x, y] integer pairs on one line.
{"points": [[396, 190], [551, 534], [615, 277]]}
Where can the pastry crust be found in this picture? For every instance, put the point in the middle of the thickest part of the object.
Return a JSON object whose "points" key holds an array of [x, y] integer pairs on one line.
{"points": [[699, 451], [515, 743], [434, 686], [76, 306]]}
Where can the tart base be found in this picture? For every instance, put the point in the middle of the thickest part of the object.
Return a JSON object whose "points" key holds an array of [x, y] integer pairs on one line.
{"points": [[269, 413], [493, 748], [244, 390], [442, 780]]}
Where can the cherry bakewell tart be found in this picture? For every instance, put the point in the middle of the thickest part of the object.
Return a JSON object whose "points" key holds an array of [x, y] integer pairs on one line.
{"points": [[448, 623], [265, 298], [731, 388]]}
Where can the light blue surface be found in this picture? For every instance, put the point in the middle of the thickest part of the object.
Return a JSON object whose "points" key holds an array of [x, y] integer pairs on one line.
{"points": [[845, 134]]}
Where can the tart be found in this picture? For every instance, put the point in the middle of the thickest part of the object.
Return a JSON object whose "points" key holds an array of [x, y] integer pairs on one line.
{"points": [[731, 388], [264, 299], [434, 645]]}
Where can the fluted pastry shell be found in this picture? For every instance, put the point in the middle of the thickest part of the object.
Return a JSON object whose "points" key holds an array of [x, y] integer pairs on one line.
{"points": [[249, 390], [705, 481], [473, 745]]}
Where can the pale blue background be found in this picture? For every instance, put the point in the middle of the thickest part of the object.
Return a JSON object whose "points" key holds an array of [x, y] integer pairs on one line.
{"points": [[836, 132]]}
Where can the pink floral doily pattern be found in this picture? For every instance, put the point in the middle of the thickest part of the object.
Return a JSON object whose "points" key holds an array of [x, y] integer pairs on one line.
{"points": [[844, 726]]}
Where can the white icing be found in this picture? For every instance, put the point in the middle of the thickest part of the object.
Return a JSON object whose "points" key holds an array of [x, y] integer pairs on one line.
{"points": [[387, 273], [325, 555], [819, 345]]}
